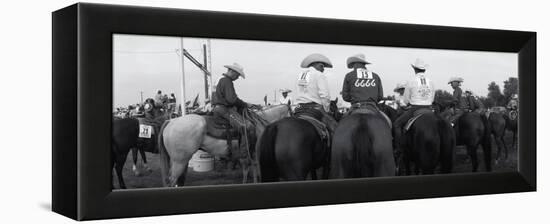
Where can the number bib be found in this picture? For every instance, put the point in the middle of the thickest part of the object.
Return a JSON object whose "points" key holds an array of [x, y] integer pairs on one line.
{"points": [[145, 131], [364, 79]]}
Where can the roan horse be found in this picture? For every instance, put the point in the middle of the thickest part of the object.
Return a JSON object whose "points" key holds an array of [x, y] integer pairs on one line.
{"points": [[291, 149], [362, 147], [429, 142], [125, 136], [180, 138]]}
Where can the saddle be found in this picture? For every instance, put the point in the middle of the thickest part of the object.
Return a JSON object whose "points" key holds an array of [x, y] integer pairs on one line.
{"points": [[314, 117], [417, 114], [369, 108], [220, 128]]}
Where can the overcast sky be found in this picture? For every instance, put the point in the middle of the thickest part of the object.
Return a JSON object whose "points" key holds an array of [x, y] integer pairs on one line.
{"points": [[150, 63]]}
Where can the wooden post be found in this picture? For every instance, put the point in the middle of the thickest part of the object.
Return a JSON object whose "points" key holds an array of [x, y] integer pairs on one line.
{"points": [[182, 92]]}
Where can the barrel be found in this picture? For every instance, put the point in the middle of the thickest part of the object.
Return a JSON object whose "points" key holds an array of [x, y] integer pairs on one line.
{"points": [[202, 161]]}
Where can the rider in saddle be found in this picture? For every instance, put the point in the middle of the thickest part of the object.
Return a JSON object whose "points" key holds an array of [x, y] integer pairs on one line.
{"points": [[464, 103], [513, 106], [286, 98], [313, 93], [362, 88], [419, 93], [399, 99], [226, 104]]}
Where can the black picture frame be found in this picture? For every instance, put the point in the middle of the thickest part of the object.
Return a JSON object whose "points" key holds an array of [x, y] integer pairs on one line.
{"points": [[82, 105]]}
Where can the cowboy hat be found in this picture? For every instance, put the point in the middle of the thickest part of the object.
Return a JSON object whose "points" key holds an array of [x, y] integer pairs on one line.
{"points": [[316, 58], [236, 67], [399, 86], [455, 79], [286, 90], [419, 64], [356, 58]]}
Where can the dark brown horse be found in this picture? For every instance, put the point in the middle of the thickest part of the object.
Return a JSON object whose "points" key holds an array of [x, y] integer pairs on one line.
{"points": [[474, 131], [362, 147], [290, 150], [125, 137], [429, 142], [512, 125], [497, 126]]}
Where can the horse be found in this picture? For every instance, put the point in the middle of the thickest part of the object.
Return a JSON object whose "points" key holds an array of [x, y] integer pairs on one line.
{"points": [[291, 149], [473, 131], [429, 142], [362, 147], [497, 127], [512, 125], [125, 136], [180, 138]]}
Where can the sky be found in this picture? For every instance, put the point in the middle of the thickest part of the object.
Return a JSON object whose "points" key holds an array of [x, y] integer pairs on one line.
{"points": [[149, 63]]}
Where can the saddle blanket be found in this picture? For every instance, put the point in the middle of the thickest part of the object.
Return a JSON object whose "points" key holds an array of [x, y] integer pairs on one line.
{"points": [[417, 114]]}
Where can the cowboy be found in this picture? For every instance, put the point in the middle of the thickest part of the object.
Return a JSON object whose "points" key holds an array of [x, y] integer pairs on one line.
{"points": [[399, 99], [462, 104], [286, 99], [158, 99], [513, 107], [362, 87], [313, 92], [419, 93], [473, 103], [226, 104], [513, 104]]}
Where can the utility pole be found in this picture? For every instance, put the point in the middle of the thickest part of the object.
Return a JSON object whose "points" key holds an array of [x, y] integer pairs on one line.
{"points": [[141, 97], [182, 87], [205, 59]]}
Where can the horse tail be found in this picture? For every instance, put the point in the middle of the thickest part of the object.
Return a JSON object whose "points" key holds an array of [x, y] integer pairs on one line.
{"points": [[164, 157], [447, 143], [268, 164], [362, 149]]}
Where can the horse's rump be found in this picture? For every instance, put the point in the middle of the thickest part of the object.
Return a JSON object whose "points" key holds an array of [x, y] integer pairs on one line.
{"points": [[362, 147]]}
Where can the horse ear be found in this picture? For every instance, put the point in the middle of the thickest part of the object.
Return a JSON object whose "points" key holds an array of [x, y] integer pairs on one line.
{"points": [[336, 100]]}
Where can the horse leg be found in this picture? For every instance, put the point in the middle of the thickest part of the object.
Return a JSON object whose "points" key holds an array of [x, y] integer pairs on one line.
{"points": [[504, 146], [177, 173], [144, 159], [313, 174], [134, 159], [245, 166], [119, 165], [472, 152]]}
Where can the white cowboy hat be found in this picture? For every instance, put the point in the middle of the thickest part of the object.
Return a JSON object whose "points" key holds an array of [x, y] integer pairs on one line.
{"points": [[356, 58], [236, 67], [455, 79], [316, 58], [286, 90], [419, 64], [399, 86]]}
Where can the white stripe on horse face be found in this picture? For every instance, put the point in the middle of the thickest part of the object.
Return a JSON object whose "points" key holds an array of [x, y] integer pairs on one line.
{"points": [[134, 167]]}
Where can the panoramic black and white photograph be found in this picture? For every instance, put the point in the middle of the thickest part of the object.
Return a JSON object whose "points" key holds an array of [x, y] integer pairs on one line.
{"points": [[204, 111]]}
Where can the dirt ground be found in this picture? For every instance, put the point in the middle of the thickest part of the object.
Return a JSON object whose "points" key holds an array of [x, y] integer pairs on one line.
{"points": [[221, 175]]}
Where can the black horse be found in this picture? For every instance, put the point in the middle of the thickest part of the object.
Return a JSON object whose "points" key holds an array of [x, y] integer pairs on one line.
{"points": [[362, 147], [497, 126], [126, 137], [429, 142], [473, 131], [291, 149], [512, 125]]}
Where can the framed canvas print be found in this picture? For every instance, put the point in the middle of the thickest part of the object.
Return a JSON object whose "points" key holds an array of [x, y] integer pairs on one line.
{"points": [[170, 111]]}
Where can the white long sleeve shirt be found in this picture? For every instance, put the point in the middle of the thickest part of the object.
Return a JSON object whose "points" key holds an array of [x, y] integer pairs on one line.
{"points": [[313, 87], [419, 91]]}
